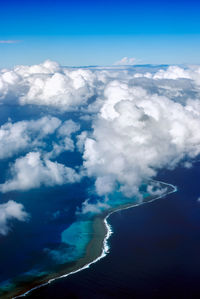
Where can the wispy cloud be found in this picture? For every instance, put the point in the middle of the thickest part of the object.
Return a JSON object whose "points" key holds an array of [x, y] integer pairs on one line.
{"points": [[9, 41]]}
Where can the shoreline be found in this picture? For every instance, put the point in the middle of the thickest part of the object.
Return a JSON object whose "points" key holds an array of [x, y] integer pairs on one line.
{"points": [[96, 249]]}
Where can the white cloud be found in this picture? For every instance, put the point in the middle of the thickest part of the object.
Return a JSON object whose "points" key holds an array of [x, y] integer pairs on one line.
{"points": [[139, 120], [81, 140], [126, 61], [64, 138], [172, 72], [28, 135], [48, 84], [11, 211], [155, 189], [136, 134], [94, 208], [32, 171], [16, 137], [105, 184], [68, 127], [48, 67]]}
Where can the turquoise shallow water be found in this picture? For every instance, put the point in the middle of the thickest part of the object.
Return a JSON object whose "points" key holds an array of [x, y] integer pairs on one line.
{"points": [[117, 199], [77, 236], [70, 244], [154, 250]]}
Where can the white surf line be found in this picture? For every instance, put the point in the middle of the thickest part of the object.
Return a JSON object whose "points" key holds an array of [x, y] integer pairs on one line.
{"points": [[105, 251], [105, 248]]}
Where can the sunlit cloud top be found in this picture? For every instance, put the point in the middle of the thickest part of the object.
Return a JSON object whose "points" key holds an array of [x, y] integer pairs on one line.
{"points": [[125, 123]]}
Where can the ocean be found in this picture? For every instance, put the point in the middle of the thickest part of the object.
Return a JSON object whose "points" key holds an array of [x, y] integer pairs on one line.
{"points": [[154, 250]]}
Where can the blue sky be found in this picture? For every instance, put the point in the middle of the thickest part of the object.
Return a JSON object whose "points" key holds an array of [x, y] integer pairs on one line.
{"points": [[99, 32]]}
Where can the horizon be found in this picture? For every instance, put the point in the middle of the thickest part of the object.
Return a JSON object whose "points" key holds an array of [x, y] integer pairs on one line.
{"points": [[100, 112], [108, 66], [100, 33]]}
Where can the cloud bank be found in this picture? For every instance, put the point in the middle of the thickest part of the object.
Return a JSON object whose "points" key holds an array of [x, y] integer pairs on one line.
{"points": [[129, 124], [47, 84]]}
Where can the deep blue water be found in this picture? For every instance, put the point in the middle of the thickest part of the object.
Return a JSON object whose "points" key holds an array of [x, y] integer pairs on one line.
{"points": [[154, 251], [28, 246], [51, 210], [54, 233]]}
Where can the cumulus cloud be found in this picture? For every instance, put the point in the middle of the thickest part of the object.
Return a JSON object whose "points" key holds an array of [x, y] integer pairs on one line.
{"points": [[33, 171], [137, 133], [81, 140], [64, 138], [48, 84], [93, 208], [8, 212], [37, 134], [126, 61], [68, 127], [174, 73], [67, 89], [16, 137], [135, 122]]}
